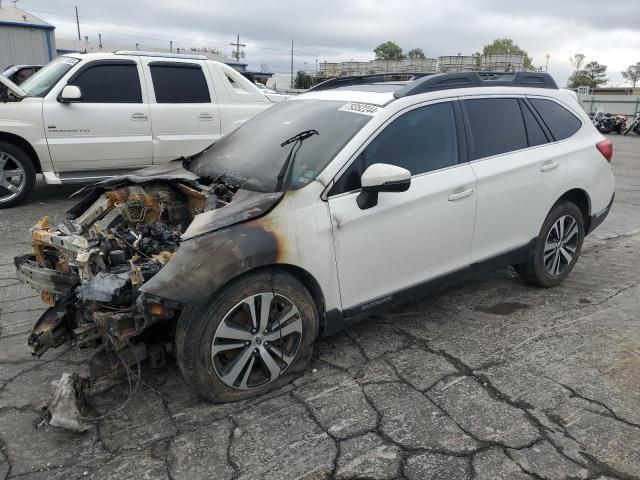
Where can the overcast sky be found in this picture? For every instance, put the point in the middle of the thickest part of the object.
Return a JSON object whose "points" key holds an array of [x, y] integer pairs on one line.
{"points": [[342, 30]]}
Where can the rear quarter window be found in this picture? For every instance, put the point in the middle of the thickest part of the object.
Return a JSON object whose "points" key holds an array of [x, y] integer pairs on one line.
{"points": [[560, 121]]}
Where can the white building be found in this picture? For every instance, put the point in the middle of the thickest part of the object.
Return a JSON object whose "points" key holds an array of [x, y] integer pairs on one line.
{"points": [[24, 39]]}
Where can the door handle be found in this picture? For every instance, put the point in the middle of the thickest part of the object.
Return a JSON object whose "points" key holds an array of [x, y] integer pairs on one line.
{"points": [[205, 117], [460, 195], [139, 117], [547, 167]]}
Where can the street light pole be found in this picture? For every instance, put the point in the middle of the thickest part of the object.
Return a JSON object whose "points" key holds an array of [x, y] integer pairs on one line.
{"points": [[546, 68]]}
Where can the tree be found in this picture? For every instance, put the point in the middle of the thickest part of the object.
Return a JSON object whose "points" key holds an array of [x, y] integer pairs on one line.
{"points": [[595, 73], [416, 53], [577, 60], [302, 80], [506, 46], [592, 75], [632, 74], [388, 51]]}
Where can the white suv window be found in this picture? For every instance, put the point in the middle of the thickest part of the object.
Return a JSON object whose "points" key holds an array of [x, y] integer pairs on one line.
{"points": [[496, 126], [179, 83], [109, 83], [421, 140]]}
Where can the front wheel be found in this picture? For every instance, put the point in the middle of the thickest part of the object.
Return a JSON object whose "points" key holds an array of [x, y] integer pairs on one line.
{"points": [[253, 336], [17, 175], [557, 247]]}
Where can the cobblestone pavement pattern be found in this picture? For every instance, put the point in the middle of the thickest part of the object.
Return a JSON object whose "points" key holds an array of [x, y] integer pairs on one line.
{"points": [[497, 380]]}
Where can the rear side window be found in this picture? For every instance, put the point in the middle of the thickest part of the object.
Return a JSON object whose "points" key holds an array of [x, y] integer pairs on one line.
{"points": [[179, 83], [421, 140], [560, 121], [109, 84], [535, 133], [496, 126]]}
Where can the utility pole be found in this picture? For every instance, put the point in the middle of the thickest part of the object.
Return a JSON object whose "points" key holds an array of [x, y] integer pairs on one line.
{"points": [[171, 46], [100, 40], [78, 24], [237, 54], [292, 63]]}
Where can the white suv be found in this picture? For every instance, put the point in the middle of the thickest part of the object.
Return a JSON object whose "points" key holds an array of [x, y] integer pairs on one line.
{"points": [[88, 116], [319, 212]]}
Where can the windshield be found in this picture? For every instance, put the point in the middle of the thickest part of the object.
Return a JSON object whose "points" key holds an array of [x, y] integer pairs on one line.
{"points": [[251, 157], [41, 82]]}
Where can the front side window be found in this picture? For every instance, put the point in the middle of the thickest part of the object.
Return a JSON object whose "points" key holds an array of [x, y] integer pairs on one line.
{"points": [[41, 82], [558, 119], [496, 126], [179, 83], [422, 140], [115, 83]]}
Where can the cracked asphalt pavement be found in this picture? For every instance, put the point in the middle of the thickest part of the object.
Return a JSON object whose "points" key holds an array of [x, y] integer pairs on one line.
{"points": [[497, 380]]}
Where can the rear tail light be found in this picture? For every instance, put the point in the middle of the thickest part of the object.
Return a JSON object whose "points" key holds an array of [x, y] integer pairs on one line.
{"points": [[605, 147]]}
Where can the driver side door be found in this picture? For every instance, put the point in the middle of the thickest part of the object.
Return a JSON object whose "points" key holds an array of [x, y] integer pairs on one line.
{"points": [[409, 237]]}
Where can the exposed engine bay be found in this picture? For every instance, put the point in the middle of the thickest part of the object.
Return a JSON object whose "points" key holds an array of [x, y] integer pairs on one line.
{"points": [[90, 267]]}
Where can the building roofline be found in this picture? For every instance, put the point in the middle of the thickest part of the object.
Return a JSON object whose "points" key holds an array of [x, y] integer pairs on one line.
{"points": [[27, 25]]}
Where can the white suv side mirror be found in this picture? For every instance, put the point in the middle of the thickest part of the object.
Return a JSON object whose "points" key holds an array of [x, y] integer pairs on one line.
{"points": [[382, 177], [70, 94]]}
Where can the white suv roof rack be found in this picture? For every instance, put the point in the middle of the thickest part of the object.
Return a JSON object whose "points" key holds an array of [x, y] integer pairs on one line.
{"points": [[160, 54]]}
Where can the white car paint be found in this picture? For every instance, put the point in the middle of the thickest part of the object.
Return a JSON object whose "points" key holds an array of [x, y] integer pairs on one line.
{"points": [[449, 219], [71, 139]]}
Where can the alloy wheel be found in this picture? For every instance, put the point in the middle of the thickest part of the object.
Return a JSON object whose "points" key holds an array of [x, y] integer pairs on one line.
{"points": [[561, 245], [13, 177], [256, 341]]}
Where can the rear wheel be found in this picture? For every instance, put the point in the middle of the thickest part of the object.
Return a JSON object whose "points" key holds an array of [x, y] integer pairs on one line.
{"points": [[17, 175], [253, 336], [557, 247]]}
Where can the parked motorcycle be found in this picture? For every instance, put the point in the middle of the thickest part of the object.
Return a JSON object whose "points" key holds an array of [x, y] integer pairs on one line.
{"points": [[608, 123], [635, 125]]}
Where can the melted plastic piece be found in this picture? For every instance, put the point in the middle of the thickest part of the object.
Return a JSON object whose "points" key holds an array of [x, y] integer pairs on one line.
{"points": [[103, 287]]}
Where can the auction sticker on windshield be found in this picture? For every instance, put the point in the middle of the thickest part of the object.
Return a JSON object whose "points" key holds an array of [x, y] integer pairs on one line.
{"points": [[362, 108]]}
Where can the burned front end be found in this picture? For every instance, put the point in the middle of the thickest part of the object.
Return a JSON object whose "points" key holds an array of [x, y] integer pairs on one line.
{"points": [[89, 268]]}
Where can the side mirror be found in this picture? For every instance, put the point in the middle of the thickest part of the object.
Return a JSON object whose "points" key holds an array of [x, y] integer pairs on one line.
{"points": [[70, 94], [381, 177]]}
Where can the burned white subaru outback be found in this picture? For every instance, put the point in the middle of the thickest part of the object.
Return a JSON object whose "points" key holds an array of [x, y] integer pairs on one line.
{"points": [[314, 214]]}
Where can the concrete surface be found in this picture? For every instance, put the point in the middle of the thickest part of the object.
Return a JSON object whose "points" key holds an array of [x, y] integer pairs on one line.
{"points": [[497, 380]]}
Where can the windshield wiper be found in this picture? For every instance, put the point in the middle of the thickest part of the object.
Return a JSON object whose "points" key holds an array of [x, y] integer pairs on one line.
{"points": [[287, 167]]}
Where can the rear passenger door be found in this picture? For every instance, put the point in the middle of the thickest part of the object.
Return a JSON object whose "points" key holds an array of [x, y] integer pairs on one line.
{"points": [[520, 172], [184, 113]]}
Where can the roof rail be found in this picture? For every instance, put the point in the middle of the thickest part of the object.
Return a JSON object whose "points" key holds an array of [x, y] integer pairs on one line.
{"points": [[444, 81], [159, 54], [363, 80]]}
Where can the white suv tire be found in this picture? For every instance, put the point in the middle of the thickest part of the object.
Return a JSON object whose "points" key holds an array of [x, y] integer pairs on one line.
{"points": [[557, 247], [17, 175]]}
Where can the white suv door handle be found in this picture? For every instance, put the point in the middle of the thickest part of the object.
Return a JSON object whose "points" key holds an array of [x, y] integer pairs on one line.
{"points": [[205, 117], [549, 166], [460, 195], [139, 117]]}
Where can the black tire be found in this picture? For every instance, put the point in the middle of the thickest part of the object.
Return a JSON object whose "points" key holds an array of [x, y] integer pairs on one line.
{"points": [[535, 271], [16, 157], [197, 327]]}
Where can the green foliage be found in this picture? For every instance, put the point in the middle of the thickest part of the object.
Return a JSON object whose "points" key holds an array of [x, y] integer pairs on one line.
{"points": [[592, 75], [503, 46], [302, 80], [416, 53], [577, 60], [388, 51], [632, 74]]}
